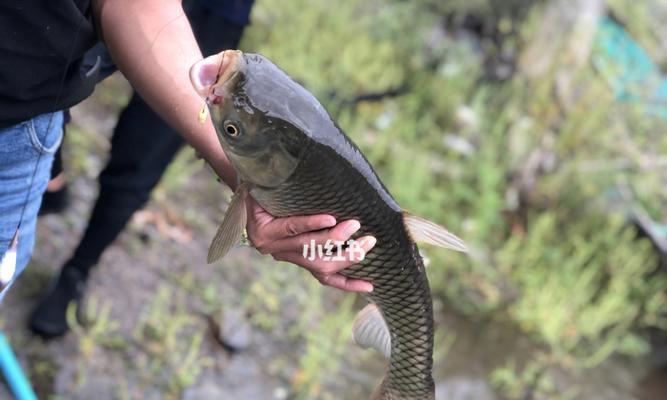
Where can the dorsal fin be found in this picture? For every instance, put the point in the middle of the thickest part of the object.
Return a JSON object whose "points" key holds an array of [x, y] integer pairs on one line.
{"points": [[423, 230], [370, 330]]}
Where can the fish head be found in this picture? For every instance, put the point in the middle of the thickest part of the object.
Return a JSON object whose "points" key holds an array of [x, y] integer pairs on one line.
{"points": [[245, 95]]}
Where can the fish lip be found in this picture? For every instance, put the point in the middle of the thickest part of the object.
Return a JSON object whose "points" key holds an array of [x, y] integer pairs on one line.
{"points": [[210, 75], [230, 66]]}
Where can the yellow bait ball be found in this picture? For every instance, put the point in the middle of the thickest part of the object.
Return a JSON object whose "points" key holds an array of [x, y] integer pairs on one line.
{"points": [[202, 114]]}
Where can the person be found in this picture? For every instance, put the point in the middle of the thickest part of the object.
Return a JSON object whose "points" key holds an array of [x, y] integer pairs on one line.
{"points": [[142, 147], [42, 46]]}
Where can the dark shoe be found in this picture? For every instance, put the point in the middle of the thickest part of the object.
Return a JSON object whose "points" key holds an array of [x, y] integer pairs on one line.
{"points": [[54, 202], [49, 318]]}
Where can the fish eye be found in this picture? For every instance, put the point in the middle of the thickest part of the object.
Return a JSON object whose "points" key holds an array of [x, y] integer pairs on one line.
{"points": [[232, 129]]}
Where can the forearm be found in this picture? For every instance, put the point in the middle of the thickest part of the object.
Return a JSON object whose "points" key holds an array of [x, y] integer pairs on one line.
{"points": [[152, 44]]}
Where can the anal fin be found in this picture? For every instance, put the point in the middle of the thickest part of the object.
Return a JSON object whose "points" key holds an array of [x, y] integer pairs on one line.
{"points": [[370, 330]]}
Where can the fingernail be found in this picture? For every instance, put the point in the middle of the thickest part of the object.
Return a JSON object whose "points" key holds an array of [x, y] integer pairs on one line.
{"points": [[352, 227], [368, 243], [369, 289], [328, 222]]}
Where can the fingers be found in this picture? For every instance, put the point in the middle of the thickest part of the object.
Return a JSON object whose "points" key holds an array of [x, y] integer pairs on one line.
{"points": [[341, 232], [257, 216], [293, 226], [326, 270], [348, 284], [264, 229], [264, 237], [287, 239]]}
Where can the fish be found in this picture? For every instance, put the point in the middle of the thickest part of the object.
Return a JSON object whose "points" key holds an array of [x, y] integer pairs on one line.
{"points": [[293, 159]]}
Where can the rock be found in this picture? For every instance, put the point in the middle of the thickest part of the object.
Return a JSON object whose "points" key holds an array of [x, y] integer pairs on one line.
{"points": [[235, 331], [205, 391], [462, 388]]}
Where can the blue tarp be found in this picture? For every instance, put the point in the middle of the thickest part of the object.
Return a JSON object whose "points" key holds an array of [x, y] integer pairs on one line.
{"points": [[628, 69]]}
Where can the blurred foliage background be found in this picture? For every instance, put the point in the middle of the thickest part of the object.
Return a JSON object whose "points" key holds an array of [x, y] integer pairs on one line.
{"points": [[515, 124], [492, 119]]}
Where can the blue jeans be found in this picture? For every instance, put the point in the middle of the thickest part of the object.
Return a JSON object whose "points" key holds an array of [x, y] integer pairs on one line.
{"points": [[26, 155]]}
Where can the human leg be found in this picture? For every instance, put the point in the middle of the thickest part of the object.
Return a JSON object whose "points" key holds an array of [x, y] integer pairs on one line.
{"points": [[55, 197], [142, 147], [26, 155]]}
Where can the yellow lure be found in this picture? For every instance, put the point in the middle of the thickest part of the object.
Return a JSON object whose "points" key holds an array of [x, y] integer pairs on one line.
{"points": [[203, 113]]}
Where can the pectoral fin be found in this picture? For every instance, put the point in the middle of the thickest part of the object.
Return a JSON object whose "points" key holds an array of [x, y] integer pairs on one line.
{"points": [[423, 230], [232, 226], [370, 330]]}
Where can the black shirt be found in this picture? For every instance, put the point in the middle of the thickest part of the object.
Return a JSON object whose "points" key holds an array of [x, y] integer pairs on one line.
{"points": [[235, 11], [42, 43]]}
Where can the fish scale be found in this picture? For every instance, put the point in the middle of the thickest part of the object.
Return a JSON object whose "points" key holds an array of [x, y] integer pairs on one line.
{"points": [[325, 183]]}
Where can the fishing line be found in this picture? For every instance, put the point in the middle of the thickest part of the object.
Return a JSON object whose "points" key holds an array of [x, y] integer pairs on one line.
{"points": [[55, 104], [48, 127]]}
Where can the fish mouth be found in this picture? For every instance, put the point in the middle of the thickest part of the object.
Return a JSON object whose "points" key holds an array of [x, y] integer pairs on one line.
{"points": [[209, 75]]}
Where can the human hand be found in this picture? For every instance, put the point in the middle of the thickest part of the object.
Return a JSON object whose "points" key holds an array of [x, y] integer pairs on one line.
{"points": [[284, 239]]}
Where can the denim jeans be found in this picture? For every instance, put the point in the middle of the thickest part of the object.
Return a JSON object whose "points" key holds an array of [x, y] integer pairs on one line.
{"points": [[26, 154]]}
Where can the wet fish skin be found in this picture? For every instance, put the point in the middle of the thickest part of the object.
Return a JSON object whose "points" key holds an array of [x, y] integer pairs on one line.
{"points": [[295, 160], [324, 184]]}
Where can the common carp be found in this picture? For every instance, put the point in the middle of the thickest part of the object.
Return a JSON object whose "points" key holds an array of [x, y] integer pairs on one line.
{"points": [[293, 159]]}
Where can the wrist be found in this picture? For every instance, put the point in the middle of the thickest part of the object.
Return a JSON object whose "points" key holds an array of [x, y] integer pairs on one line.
{"points": [[222, 167]]}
